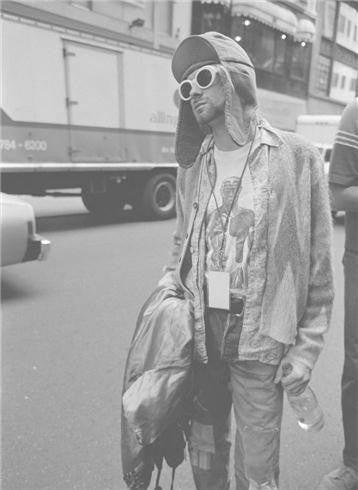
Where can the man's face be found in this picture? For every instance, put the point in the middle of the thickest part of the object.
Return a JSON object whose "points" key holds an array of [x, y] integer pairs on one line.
{"points": [[208, 104]]}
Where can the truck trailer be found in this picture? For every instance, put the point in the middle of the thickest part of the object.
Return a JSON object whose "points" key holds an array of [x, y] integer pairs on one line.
{"points": [[86, 111], [319, 129]]}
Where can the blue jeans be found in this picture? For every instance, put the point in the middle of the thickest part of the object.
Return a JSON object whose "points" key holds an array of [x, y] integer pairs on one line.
{"points": [[350, 369], [257, 401]]}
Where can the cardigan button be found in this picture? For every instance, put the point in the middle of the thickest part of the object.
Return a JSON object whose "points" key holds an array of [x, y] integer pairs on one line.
{"points": [[195, 205]]}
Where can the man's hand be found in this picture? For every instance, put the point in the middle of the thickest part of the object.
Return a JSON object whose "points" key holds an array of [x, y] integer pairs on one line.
{"points": [[293, 376]]}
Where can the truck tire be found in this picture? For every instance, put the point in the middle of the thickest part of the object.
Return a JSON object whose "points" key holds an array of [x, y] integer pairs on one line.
{"points": [[159, 197], [103, 205]]}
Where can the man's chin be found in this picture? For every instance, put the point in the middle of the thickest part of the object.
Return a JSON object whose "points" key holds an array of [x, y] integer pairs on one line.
{"points": [[202, 118], [201, 121], [206, 118]]}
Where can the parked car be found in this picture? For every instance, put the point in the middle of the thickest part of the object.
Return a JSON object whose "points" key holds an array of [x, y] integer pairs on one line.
{"points": [[19, 240]]}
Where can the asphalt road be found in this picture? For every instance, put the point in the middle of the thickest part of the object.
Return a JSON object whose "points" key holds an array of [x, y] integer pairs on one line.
{"points": [[66, 326]]}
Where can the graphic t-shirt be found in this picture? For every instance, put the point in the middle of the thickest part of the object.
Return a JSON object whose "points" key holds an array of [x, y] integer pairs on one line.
{"points": [[230, 225]]}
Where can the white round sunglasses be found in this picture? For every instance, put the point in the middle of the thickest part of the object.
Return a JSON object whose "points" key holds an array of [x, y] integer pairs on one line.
{"points": [[203, 79]]}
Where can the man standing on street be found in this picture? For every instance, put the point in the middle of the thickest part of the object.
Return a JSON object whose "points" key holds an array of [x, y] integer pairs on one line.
{"points": [[343, 178], [252, 251]]}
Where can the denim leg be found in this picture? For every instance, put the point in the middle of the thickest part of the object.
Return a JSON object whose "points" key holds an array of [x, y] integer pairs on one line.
{"points": [[209, 439], [258, 404], [350, 369], [210, 431]]}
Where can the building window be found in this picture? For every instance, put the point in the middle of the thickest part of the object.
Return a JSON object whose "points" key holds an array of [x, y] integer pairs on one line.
{"points": [[211, 21], [329, 14], [355, 33], [323, 74], [299, 62], [342, 24], [335, 79], [279, 64], [210, 17], [260, 48], [346, 86], [349, 25], [164, 16], [148, 14]]}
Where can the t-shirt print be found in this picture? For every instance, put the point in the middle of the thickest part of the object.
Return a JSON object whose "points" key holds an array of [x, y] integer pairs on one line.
{"points": [[230, 251]]}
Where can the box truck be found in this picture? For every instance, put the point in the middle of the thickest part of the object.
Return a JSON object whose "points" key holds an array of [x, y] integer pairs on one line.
{"points": [[88, 112]]}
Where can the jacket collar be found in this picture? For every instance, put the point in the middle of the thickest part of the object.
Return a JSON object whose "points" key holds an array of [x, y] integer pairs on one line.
{"points": [[269, 135]]}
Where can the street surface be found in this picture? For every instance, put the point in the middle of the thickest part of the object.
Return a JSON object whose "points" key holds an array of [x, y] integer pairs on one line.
{"points": [[66, 327]]}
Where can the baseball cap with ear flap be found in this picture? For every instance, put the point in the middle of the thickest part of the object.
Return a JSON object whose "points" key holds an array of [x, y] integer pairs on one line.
{"points": [[208, 49], [193, 53]]}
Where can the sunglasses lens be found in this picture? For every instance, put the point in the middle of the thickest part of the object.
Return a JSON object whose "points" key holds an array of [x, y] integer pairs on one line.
{"points": [[184, 90], [204, 78]]}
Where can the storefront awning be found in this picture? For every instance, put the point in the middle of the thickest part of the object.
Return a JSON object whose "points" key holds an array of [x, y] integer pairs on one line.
{"points": [[268, 13], [305, 30]]}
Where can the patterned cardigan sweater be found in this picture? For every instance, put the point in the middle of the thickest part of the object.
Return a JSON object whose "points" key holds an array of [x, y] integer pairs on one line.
{"points": [[290, 290]]}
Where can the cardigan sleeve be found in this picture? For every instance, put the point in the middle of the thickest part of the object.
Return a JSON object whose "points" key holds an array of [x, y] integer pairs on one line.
{"points": [[316, 318]]}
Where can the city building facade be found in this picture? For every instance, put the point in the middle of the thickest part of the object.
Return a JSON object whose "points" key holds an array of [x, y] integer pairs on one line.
{"points": [[150, 23], [334, 73], [278, 37], [305, 51]]}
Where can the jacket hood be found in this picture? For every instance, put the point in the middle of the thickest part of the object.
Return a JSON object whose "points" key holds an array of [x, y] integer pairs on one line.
{"points": [[237, 74]]}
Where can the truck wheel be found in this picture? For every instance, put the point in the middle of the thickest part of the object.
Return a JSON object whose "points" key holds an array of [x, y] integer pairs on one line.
{"points": [[103, 204], [159, 197]]}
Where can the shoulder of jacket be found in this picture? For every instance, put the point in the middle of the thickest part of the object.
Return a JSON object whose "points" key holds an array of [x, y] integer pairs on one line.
{"points": [[295, 140], [298, 145]]}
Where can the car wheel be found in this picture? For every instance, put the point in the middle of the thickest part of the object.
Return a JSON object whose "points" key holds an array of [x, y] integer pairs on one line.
{"points": [[159, 196]]}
